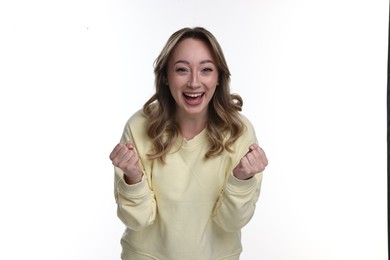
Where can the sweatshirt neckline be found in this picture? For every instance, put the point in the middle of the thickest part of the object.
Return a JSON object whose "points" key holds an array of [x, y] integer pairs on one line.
{"points": [[196, 140]]}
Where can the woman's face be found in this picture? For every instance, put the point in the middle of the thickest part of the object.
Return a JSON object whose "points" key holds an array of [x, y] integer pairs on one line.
{"points": [[192, 78]]}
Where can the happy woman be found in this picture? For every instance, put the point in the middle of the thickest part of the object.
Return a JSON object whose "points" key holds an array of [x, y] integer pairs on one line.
{"points": [[188, 167]]}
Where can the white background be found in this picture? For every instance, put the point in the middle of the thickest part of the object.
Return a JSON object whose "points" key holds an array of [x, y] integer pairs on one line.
{"points": [[313, 78]]}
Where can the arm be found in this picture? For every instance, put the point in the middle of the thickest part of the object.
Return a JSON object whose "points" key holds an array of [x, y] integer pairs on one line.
{"points": [[237, 201], [133, 195], [136, 203]]}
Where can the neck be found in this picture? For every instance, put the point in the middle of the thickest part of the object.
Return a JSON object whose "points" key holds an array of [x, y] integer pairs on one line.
{"points": [[191, 126]]}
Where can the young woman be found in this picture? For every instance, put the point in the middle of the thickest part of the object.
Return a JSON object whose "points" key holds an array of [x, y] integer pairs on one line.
{"points": [[188, 168]]}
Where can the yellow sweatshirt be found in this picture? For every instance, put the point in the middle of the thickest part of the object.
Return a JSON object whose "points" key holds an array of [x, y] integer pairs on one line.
{"points": [[190, 208]]}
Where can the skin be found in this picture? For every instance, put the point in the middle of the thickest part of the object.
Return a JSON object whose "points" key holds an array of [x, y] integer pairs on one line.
{"points": [[125, 157], [252, 163], [191, 72]]}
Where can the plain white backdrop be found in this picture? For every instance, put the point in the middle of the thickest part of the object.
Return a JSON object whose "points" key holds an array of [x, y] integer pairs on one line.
{"points": [[313, 78]]}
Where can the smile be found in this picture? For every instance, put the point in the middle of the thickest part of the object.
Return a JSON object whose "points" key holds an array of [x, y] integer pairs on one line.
{"points": [[193, 99], [193, 95]]}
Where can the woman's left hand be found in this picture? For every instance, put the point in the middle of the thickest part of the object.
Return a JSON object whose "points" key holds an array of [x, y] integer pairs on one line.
{"points": [[252, 163]]}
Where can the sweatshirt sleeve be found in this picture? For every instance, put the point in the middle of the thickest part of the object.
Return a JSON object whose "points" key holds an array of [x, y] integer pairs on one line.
{"points": [[237, 201], [136, 204]]}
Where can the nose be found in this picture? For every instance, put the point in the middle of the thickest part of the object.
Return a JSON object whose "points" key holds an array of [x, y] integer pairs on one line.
{"points": [[193, 82]]}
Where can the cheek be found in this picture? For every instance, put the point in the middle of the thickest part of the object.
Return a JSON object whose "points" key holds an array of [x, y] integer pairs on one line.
{"points": [[211, 92], [175, 92], [171, 90], [176, 82], [215, 79], [212, 83]]}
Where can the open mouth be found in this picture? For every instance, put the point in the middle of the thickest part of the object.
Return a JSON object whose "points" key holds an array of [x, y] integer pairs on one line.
{"points": [[193, 98], [193, 95]]}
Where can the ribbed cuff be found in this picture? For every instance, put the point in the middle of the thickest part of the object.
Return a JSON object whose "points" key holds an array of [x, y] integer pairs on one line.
{"points": [[235, 185], [134, 190]]}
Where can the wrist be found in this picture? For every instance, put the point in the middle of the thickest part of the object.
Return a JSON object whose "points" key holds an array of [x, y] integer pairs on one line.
{"points": [[133, 179], [241, 175]]}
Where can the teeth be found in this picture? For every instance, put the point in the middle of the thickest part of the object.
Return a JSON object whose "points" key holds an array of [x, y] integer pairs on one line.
{"points": [[193, 95]]}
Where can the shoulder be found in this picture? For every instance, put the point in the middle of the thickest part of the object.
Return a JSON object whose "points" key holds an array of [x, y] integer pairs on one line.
{"points": [[134, 127], [248, 135], [248, 127], [245, 128], [137, 119], [244, 119]]}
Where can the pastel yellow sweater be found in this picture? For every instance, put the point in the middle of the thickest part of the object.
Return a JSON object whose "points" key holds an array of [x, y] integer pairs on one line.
{"points": [[191, 208]]}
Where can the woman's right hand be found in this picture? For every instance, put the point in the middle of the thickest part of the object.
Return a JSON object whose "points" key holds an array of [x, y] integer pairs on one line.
{"points": [[125, 157]]}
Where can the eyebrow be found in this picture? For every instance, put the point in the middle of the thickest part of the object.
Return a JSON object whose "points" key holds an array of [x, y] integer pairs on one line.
{"points": [[202, 62]]}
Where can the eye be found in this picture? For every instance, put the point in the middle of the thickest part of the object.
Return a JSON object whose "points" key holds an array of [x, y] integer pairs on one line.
{"points": [[181, 70], [207, 70]]}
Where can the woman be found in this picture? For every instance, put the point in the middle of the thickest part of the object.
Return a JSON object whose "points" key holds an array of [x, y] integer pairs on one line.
{"points": [[188, 168]]}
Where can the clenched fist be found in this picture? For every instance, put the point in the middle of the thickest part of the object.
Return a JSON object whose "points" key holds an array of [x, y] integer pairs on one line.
{"points": [[125, 157], [253, 162]]}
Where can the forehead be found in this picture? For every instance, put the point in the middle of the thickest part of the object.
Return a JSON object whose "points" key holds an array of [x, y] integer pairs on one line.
{"points": [[192, 50]]}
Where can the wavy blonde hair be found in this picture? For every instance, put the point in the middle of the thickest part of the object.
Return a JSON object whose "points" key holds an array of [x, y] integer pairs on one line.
{"points": [[224, 125]]}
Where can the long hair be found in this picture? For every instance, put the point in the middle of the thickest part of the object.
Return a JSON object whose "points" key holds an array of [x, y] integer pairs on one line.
{"points": [[224, 125]]}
